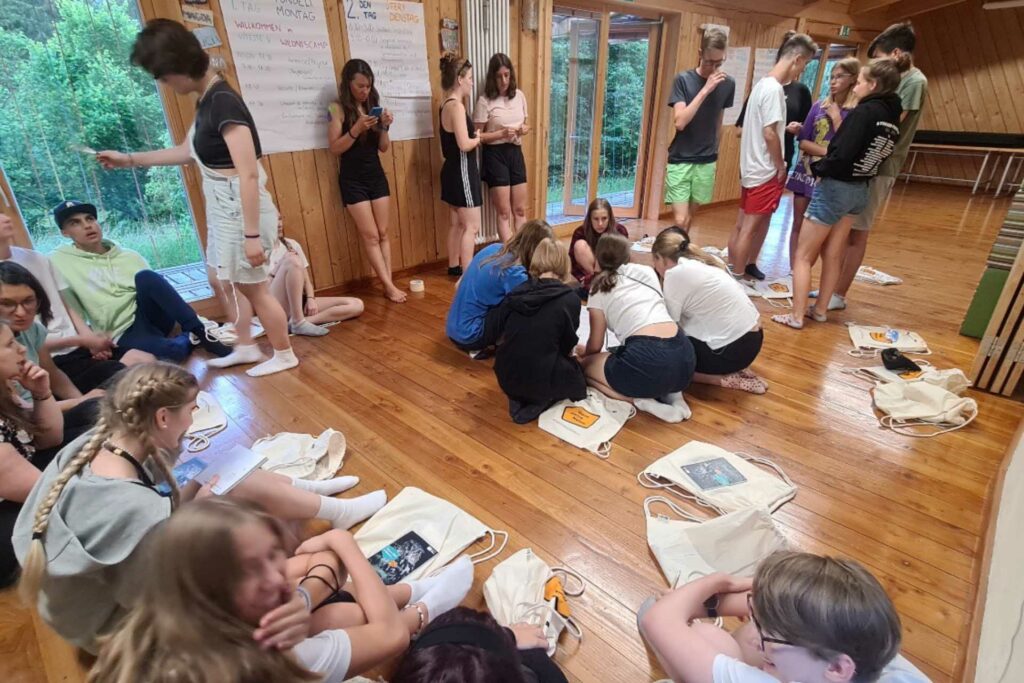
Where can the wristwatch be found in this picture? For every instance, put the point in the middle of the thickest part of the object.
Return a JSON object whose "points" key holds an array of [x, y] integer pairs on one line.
{"points": [[711, 605]]}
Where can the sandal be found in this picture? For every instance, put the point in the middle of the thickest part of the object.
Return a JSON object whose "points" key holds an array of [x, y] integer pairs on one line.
{"points": [[789, 320], [754, 385]]}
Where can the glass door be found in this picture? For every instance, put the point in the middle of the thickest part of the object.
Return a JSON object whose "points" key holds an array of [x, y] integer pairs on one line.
{"points": [[602, 75]]}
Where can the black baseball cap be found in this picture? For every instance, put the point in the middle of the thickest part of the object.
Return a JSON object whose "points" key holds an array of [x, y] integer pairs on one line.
{"points": [[69, 208]]}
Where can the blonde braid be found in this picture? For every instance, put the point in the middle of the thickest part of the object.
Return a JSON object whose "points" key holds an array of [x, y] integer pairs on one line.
{"points": [[134, 422], [34, 567]]}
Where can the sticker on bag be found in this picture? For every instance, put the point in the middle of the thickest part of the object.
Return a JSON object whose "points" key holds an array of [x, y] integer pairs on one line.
{"points": [[717, 479], [687, 547], [777, 292], [524, 589], [590, 424], [425, 523], [869, 340], [401, 557], [922, 409]]}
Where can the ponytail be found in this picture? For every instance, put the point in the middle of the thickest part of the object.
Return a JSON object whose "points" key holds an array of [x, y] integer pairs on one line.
{"points": [[612, 252], [674, 243]]}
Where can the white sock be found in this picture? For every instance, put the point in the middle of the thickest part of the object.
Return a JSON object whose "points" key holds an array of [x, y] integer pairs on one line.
{"points": [[668, 413], [282, 360], [421, 587], [242, 355], [327, 487], [676, 399], [343, 513], [455, 582]]}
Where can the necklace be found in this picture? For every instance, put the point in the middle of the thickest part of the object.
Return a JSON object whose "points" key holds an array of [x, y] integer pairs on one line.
{"points": [[209, 85], [139, 469]]}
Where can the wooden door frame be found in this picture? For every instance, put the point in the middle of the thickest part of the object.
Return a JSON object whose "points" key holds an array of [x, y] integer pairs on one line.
{"points": [[827, 41]]}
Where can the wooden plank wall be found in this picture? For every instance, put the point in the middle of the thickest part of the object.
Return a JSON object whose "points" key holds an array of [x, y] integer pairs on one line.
{"points": [[304, 184], [974, 61]]}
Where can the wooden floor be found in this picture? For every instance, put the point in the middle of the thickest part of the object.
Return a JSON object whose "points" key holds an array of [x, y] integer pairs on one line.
{"points": [[418, 412]]}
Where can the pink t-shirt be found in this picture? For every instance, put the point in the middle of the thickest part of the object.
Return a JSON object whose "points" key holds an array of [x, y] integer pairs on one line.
{"points": [[501, 112]]}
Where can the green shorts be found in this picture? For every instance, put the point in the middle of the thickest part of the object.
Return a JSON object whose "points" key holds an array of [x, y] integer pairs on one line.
{"points": [[690, 183]]}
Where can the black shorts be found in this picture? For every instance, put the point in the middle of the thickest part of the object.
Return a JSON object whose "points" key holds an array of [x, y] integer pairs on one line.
{"points": [[650, 367], [364, 189], [504, 165], [85, 372], [460, 181], [738, 355]]}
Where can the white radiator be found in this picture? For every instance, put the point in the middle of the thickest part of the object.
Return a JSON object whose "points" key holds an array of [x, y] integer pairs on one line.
{"points": [[485, 32]]}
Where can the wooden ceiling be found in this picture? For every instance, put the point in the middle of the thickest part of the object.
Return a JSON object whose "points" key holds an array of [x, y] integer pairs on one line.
{"points": [[882, 11]]}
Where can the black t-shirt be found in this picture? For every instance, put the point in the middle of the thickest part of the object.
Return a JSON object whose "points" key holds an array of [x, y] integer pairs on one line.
{"points": [[219, 107], [698, 142], [362, 159], [798, 106]]}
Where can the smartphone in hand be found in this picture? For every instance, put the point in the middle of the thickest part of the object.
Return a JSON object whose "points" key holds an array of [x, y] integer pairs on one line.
{"points": [[377, 111]]}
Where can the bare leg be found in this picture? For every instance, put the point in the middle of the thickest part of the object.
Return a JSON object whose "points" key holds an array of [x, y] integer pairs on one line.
{"points": [[501, 197], [734, 235], [856, 247], [812, 235], [757, 241], [800, 203], [243, 316], [269, 311], [454, 237], [744, 240], [336, 309], [375, 242], [286, 286], [832, 262], [136, 357], [470, 221], [593, 368], [277, 496], [682, 214], [520, 200]]}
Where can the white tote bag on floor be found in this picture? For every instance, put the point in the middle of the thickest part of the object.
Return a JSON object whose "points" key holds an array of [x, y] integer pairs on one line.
{"points": [[589, 424], [869, 340], [910, 406], [514, 593], [208, 418], [717, 479], [689, 548], [417, 533], [303, 456]]}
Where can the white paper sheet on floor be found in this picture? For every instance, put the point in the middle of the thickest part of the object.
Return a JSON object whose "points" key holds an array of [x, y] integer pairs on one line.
{"points": [[583, 333]]}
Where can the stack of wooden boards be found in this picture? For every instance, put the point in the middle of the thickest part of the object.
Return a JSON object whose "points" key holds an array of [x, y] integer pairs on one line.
{"points": [[1000, 361]]}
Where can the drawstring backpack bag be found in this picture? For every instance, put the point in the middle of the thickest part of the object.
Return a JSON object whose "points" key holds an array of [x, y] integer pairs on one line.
{"points": [[951, 379], [689, 547], [869, 341], [208, 418], [524, 589], [417, 533], [778, 292], [303, 456], [910, 406], [590, 424], [717, 479], [869, 274]]}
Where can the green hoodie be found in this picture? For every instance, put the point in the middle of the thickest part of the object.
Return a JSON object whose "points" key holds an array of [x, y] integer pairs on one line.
{"points": [[103, 283]]}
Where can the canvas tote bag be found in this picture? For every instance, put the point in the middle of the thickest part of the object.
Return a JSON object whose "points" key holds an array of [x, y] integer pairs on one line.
{"points": [[910, 406], [515, 593], [869, 340], [438, 530], [717, 479], [688, 548], [589, 424], [303, 456], [208, 418]]}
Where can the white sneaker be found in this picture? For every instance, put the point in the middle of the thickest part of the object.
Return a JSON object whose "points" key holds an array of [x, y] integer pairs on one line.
{"points": [[836, 303]]}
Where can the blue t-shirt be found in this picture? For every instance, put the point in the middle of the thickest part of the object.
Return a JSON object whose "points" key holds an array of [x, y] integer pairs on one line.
{"points": [[482, 288]]}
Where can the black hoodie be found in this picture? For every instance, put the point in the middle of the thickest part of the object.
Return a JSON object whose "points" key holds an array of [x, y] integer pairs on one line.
{"points": [[538, 323], [866, 139]]}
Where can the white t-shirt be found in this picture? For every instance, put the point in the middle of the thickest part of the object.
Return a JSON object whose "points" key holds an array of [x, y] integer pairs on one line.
{"points": [[42, 268], [501, 112], [280, 251], [328, 653], [730, 670], [708, 303], [635, 302], [766, 106]]}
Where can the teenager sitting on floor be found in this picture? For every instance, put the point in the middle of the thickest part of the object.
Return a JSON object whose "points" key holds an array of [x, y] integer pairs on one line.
{"points": [[537, 335], [120, 295]]}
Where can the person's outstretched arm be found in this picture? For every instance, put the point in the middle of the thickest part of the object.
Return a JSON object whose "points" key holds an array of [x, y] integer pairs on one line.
{"points": [[178, 155]]}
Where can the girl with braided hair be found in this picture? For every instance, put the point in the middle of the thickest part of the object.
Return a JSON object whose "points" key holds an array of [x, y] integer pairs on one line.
{"points": [[78, 535]]}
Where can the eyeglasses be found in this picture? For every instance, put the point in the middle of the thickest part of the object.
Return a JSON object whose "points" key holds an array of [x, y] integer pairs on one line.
{"points": [[760, 633], [29, 305], [712, 62]]}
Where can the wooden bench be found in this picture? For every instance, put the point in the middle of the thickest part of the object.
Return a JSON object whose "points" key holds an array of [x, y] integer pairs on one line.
{"points": [[985, 146]]}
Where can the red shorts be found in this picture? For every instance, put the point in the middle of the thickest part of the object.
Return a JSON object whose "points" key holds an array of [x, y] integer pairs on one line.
{"points": [[761, 199]]}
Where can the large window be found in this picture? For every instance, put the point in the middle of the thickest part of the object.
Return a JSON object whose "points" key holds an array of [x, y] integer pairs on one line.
{"points": [[819, 71], [66, 85]]}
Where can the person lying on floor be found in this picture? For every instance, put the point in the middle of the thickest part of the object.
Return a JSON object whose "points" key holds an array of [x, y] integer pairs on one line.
{"points": [[713, 310], [226, 625], [495, 271], [88, 358], [291, 285], [813, 619], [120, 295], [468, 646], [656, 361], [79, 533], [536, 331]]}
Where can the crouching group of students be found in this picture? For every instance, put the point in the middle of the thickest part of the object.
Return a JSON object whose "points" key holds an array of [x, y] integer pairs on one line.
{"points": [[169, 583], [684, 320]]}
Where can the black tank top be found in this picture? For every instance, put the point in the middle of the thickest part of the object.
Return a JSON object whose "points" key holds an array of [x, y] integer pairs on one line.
{"points": [[449, 145], [362, 159]]}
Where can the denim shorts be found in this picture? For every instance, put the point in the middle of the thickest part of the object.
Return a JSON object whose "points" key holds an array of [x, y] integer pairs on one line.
{"points": [[651, 367], [833, 199]]}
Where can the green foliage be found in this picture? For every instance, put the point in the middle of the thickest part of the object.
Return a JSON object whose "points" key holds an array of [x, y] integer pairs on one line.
{"points": [[67, 81]]}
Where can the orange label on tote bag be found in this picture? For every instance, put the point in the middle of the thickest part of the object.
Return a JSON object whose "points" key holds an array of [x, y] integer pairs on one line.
{"points": [[579, 417]]}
